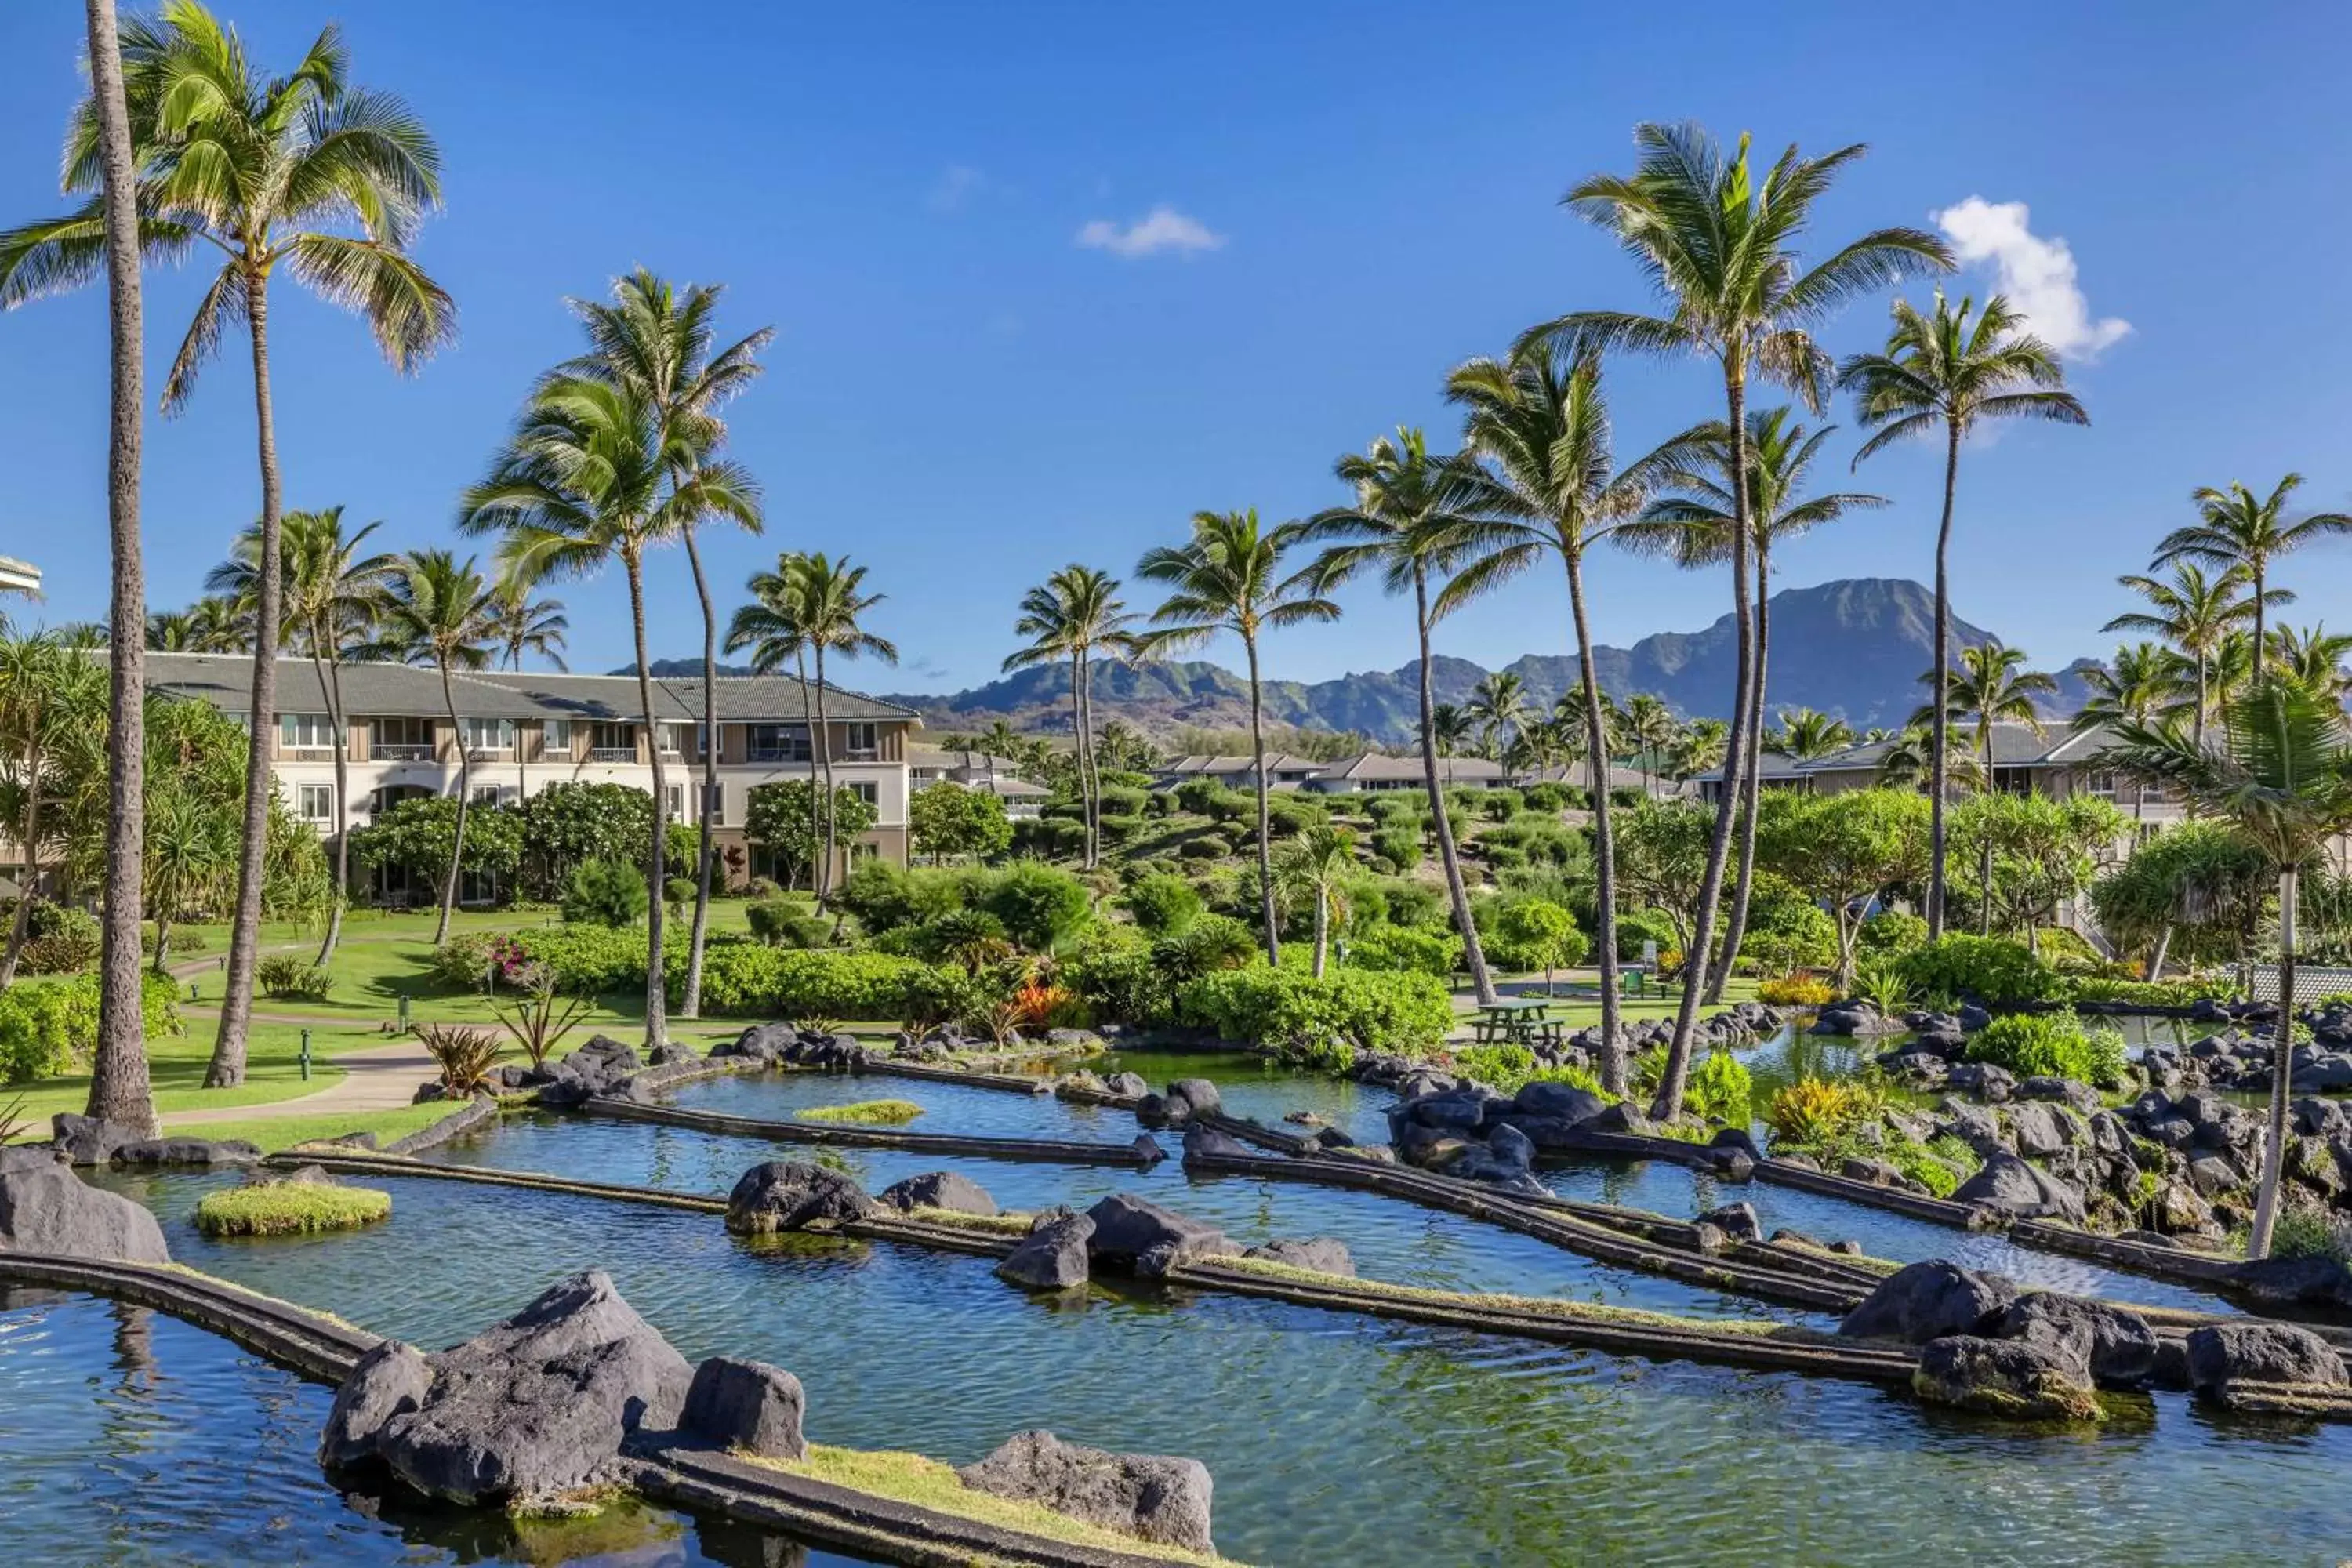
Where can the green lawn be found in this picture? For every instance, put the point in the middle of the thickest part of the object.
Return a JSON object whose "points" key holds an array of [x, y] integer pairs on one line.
{"points": [[175, 1066], [275, 1133]]}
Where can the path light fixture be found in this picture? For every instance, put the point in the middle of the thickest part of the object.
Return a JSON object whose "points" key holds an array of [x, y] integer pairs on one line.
{"points": [[306, 1056]]}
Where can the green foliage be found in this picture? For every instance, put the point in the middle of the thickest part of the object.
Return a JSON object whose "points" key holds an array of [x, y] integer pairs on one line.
{"points": [[290, 1208], [1636, 926], [1288, 814], [1200, 797], [885, 896], [1210, 943], [567, 824], [1883, 983], [1890, 933], [785, 922], [1795, 991], [1415, 949], [677, 892], [1412, 904], [1039, 905], [1818, 1111], [2198, 888], [1111, 969], [2053, 1045], [1400, 847], [1509, 1068], [2185, 992], [59, 940], [583, 960], [1163, 903], [1531, 934], [1123, 800], [946, 818], [750, 980], [1548, 797], [777, 817], [1990, 968], [417, 835], [605, 893], [467, 1053], [50, 1026], [866, 1113], [2043, 852], [291, 975], [1207, 847], [1786, 928], [2310, 1232], [1720, 1089], [1289, 1008]]}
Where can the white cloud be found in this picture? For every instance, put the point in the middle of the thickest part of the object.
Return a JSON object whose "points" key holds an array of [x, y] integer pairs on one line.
{"points": [[1161, 229], [958, 185], [2037, 274]]}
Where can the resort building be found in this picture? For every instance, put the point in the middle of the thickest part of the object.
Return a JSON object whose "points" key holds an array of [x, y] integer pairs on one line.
{"points": [[2058, 762], [522, 731], [1376, 771], [18, 576], [928, 765]]}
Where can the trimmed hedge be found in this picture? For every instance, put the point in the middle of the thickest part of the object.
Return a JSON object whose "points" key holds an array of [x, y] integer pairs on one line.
{"points": [[1296, 1011], [50, 1026]]}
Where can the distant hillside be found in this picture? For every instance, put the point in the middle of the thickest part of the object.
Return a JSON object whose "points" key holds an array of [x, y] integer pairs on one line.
{"points": [[1855, 648]]}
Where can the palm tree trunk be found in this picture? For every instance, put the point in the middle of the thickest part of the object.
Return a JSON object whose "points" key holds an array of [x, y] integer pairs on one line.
{"points": [[691, 1004], [1088, 759], [1751, 787], [1604, 841], [119, 1088], [2203, 700], [824, 760], [1669, 1101], [227, 1067], [2267, 1195], [330, 680], [21, 922], [1939, 785], [816, 819], [1264, 818], [1474, 956], [656, 973], [1322, 929], [465, 800], [2156, 959], [1078, 740], [1984, 861], [2254, 664]]}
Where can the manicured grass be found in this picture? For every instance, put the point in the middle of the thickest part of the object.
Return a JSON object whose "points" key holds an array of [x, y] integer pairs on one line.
{"points": [[927, 1483], [177, 1064], [866, 1114], [273, 1134], [290, 1208]]}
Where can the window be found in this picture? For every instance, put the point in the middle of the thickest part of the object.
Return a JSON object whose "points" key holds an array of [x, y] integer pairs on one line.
{"points": [[705, 740], [863, 745], [487, 734], [402, 740], [861, 850], [614, 743], [555, 735], [315, 802], [305, 733], [671, 735], [675, 796], [486, 794], [865, 791], [2100, 783], [777, 744], [714, 800]]}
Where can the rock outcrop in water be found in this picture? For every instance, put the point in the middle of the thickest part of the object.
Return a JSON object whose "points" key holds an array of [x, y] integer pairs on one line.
{"points": [[46, 1208], [1155, 1499], [788, 1195]]}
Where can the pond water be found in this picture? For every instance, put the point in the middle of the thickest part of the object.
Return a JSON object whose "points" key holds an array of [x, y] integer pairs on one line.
{"points": [[133, 1437], [1336, 1438]]}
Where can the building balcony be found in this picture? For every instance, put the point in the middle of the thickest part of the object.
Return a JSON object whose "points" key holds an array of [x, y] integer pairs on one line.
{"points": [[612, 753], [489, 753], [399, 753], [778, 755]]}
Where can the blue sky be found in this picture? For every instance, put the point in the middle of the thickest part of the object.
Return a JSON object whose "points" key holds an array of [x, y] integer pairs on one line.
{"points": [[991, 359]]}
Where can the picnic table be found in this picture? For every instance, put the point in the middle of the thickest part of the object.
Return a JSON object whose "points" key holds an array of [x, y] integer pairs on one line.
{"points": [[1519, 1021]]}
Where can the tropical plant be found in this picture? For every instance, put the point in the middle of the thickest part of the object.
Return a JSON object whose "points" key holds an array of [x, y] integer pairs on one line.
{"points": [[270, 171], [53, 705], [1229, 577], [1844, 849], [536, 1014], [467, 1053], [1718, 243], [2196, 615], [1405, 525], [2238, 530], [596, 471], [1943, 371], [1653, 728], [1806, 736], [1498, 704], [2313, 656], [1073, 615], [1316, 865]]}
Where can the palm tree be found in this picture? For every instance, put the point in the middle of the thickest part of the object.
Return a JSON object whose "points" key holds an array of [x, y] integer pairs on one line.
{"points": [[2281, 779], [1807, 736], [1719, 244], [2135, 688], [1944, 370], [2195, 614], [438, 611], [170, 631], [1404, 525], [652, 338], [1451, 728], [1694, 526], [217, 624], [2315, 656], [1991, 683], [330, 597], [773, 626], [2236, 527], [1228, 577], [52, 692], [527, 626], [1071, 615], [269, 171], [1699, 748], [118, 1088], [191, 852], [1316, 864], [1653, 728], [1543, 423], [593, 473]]}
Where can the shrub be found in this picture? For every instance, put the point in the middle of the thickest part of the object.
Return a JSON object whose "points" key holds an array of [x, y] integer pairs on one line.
{"points": [[1990, 968], [1531, 934], [2181, 993], [2053, 1045], [1400, 847], [1882, 982], [1890, 933], [1510, 1069], [1161, 903], [1412, 949], [1120, 828], [1198, 795], [1207, 847], [747, 980], [1795, 991], [1038, 904], [1636, 926], [1232, 806], [1546, 796], [587, 960], [49, 1026], [1786, 930], [1111, 972], [1413, 903], [677, 892], [884, 895], [467, 1053], [1719, 1089], [290, 1208], [1123, 800], [1499, 805], [58, 941], [605, 893], [1286, 1008], [291, 975], [1819, 1110], [2303, 1232], [1208, 944]]}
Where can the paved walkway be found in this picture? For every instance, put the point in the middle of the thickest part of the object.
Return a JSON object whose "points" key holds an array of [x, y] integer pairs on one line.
{"points": [[380, 1077]]}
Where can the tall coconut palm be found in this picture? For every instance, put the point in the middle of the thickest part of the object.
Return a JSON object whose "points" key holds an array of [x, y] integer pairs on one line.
{"points": [[1405, 524], [1909, 762], [1719, 244], [2196, 614], [1073, 614], [593, 474], [2315, 656], [1229, 577], [330, 594], [304, 171], [1993, 685], [1653, 728], [2281, 779], [170, 631], [2236, 527], [773, 628], [2135, 686], [662, 340], [1699, 748], [1943, 372], [1316, 865], [1695, 525], [1806, 736], [440, 611], [1451, 729], [528, 626], [1499, 702], [119, 1088], [1542, 423]]}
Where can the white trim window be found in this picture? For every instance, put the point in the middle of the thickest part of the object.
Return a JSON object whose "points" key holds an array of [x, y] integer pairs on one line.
{"points": [[488, 794], [555, 737], [675, 796], [672, 739], [714, 800], [2099, 782], [866, 790], [777, 744], [487, 734], [402, 740], [862, 743], [315, 802], [305, 733]]}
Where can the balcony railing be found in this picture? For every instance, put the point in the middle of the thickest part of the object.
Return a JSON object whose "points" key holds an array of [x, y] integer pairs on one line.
{"points": [[307, 753], [779, 754], [489, 753], [612, 753], [387, 751]]}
